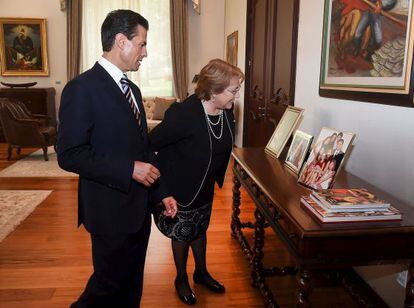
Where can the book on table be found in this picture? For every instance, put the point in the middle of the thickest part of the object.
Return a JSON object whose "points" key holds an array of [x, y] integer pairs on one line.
{"points": [[325, 216], [343, 199]]}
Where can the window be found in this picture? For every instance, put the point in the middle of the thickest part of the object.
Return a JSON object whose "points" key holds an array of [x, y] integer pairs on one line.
{"points": [[154, 77]]}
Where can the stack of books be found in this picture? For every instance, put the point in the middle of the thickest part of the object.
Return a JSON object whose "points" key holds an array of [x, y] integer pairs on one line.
{"points": [[348, 205]]}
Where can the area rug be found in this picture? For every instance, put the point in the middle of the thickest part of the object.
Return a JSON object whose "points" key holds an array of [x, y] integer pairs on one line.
{"points": [[16, 205], [34, 165]]}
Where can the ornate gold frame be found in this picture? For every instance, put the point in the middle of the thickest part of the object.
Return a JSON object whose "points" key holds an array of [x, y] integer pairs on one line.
{"points": [[231, 48], [28, 23]]}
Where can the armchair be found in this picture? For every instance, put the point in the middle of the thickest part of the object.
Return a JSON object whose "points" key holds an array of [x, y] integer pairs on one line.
{"points": [[22, 129], [20, 110]]}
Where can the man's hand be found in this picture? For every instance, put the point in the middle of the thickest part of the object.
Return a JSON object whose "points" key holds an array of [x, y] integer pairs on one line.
{"points": [[170, 206], [145, 173]]}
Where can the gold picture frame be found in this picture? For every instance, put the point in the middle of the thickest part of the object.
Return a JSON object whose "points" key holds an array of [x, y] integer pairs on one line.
{"points": [[367, 51], [23, 47], [231, 48], [284, 130]]}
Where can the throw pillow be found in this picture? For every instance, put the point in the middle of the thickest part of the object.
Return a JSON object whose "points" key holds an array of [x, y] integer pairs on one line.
{"points": [[160, 106]]}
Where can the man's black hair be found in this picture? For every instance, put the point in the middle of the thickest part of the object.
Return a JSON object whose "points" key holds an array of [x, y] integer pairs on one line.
{"points": [[120, 21]]}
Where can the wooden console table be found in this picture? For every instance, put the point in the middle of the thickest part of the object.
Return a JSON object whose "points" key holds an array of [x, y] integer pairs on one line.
{"points": [[313, 246], [37, 100]]}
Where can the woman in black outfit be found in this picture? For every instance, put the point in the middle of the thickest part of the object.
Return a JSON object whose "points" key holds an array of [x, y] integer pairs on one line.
{"points": [[194, 143]]}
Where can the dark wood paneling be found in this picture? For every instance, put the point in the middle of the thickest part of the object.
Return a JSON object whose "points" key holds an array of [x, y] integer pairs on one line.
{"points": [[271, 44]]}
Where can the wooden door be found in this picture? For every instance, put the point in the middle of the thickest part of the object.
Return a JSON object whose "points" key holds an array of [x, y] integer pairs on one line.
{"points": [[270, 66]]}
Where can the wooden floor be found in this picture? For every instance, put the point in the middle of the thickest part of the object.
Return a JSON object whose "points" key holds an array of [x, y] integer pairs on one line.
{"points": [[46, 261]]}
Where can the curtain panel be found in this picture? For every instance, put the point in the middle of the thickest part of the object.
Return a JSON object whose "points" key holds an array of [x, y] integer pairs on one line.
{"points": [[154, 77], [74, 38], [179, 46]]}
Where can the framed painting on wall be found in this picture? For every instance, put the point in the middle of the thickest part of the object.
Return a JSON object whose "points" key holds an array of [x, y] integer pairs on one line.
{"points": [[197, 6], [367, 51], [23, 49], [231, 48]]}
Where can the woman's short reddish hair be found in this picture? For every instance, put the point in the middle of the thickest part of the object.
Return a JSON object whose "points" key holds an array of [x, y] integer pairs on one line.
{"points": [[215, 77]]}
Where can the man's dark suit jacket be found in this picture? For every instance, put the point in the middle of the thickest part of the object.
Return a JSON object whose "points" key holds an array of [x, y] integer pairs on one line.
{"points": [[99, 139], [338, 159]]}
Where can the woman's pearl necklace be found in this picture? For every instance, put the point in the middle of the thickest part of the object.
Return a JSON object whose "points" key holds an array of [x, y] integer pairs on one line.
{"points": [[210, 123]]}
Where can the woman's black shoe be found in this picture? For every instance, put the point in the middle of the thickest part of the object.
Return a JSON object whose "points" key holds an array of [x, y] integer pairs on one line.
{"points": [[189, 299], [209, 282]]}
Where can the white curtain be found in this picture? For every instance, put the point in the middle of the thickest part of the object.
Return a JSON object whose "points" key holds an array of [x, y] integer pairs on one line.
{"points": [[154, 77]]}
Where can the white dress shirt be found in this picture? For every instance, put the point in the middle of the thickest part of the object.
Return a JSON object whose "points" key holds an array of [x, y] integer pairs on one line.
{"points": [[116, 75]]}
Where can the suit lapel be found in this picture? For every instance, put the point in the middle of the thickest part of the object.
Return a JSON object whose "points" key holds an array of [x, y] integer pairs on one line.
{"points": [[121, 98]]}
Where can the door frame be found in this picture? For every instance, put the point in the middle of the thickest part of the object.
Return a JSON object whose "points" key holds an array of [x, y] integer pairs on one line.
{"points": [[249, 50]]}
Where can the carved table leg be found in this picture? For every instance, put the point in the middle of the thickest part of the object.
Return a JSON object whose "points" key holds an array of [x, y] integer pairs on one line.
{"points": [[257, 275], [304, 288], [9, 152], [409, 289], [235, 220]]}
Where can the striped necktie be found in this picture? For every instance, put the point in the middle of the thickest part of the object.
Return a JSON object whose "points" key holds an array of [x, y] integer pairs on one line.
{"points": [[128, 94]]}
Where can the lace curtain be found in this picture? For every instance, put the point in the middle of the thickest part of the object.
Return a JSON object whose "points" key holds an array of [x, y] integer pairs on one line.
{"points": [[155, 74]]}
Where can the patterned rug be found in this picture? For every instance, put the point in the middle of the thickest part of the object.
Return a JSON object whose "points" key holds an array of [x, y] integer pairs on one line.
{"points": [[34, 165], [16, 205]]}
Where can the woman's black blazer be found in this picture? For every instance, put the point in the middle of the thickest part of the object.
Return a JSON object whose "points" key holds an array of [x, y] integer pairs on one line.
{"points": [[182, 141]]}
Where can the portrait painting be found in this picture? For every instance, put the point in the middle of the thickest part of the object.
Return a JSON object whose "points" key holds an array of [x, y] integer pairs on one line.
{"points": [[231, 48], [367, 46], [284, 129], [326, 158], [297, 151], [23, 47]]}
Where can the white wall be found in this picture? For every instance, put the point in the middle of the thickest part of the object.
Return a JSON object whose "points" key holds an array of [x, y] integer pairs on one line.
{"points": [[56, 39], [385, 134], [207, 40], [205, 36], [235, 20]]}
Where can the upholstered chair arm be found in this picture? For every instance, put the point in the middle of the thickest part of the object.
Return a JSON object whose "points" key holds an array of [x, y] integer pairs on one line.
{"points": [[31, 122], [49, 133]]}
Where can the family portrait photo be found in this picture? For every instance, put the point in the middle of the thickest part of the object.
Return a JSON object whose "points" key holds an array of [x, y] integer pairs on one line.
{"points": [[326, 158]]}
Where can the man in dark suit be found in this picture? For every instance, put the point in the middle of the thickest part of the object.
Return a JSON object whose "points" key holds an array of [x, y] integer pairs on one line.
{"points": [[338, 154], [102, 137]]}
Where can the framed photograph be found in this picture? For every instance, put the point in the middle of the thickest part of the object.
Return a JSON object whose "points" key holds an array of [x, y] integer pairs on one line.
{"points": [[298, 150], [367, 47], [326, 158], [284, 130], [23, 49], [231, 48]]}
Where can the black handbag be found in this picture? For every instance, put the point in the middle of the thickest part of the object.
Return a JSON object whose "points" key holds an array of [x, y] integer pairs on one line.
{"points": [[164, 223], [186, 225]]}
